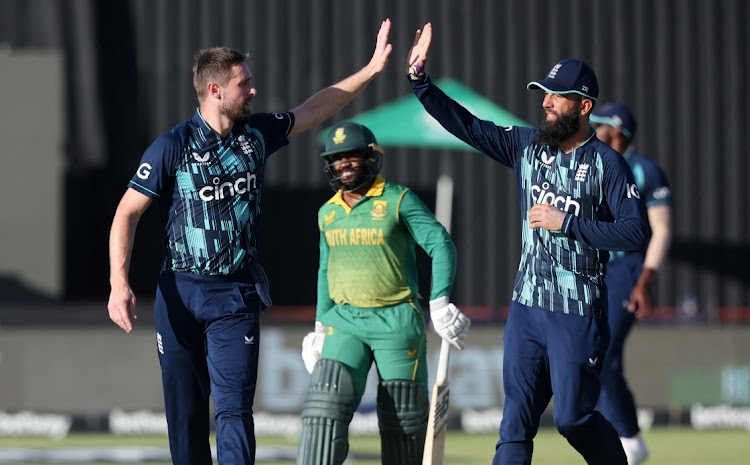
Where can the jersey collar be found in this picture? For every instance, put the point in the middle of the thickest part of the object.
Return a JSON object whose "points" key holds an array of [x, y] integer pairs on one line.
{"points": [[376, 190], [198, 118]]}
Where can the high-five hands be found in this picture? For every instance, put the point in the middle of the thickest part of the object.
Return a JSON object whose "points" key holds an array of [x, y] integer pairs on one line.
{"points": [[382, 48], [449, 322], [417, 56]]}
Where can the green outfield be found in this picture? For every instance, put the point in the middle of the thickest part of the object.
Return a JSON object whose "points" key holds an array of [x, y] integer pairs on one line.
{"points": [[669, 446]]}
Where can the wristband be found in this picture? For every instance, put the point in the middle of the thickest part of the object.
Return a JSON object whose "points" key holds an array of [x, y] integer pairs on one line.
{"points": [[415, 70]]}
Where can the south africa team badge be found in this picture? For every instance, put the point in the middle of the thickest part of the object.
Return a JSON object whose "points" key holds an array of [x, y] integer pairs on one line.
{"points": [[378, 210]]}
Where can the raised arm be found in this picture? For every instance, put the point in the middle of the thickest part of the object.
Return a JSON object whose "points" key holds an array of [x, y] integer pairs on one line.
{"points": [[121, 304], [327, 102], [417, 56]]}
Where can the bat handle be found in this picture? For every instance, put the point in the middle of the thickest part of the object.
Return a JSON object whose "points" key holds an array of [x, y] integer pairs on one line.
{"points": [[445, 352]]}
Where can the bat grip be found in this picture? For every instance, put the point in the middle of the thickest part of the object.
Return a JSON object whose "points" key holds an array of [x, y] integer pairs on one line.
{"points": [[442, 369]]}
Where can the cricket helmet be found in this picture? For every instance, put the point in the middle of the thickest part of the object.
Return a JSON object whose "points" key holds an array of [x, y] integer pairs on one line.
{"points": [[350, 137]]}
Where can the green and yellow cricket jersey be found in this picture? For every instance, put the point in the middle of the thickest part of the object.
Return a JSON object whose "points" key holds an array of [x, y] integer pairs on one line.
{"points": [[367, 252]]}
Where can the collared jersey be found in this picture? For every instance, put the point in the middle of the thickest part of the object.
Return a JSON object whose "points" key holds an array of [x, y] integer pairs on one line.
{"points": [[652, 184], [559, 271], [367, 252], [208, 190]]}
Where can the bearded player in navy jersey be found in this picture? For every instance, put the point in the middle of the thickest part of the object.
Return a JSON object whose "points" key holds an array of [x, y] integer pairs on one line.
{"points": [[206, 176], [578, 200], [629, 275]]}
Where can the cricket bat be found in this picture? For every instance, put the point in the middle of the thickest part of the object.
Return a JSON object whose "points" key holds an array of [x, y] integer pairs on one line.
{"points": [[434, 444]]}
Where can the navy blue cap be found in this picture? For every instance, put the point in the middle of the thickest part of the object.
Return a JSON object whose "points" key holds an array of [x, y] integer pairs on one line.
{"points": [[617, 116], [570, 76]]}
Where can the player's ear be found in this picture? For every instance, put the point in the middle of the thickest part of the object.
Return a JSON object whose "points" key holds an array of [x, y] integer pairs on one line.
{"points": [[586, 106], [214, 90]]}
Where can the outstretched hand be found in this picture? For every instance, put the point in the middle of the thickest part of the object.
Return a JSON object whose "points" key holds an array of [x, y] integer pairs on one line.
{"points": [[382, 48], [418, 53]]}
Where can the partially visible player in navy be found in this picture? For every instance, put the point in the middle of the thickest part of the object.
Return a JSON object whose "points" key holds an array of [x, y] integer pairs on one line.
{"points": [[629, 275], [578, 200], [206, 176]]}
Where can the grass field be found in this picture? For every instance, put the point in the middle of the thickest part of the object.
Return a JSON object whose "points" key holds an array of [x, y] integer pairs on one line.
{"points": [[669, 446]]}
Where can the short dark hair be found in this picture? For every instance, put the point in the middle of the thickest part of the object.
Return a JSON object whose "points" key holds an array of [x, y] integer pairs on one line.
{"points": [[214, 64]]}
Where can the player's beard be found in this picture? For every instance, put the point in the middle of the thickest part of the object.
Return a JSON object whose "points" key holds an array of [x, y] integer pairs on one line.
{"points": [[564, 126], [239, 111]]}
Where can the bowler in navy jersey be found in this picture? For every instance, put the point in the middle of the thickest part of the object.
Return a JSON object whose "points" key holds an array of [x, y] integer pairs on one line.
{"points": [[630, 274], [578, 200], [206, 176], [208, 189]]}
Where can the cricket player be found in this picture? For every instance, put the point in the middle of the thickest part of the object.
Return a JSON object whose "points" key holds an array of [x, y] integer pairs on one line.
{"points": [[206, 176], [577, 200], [629, 274], [368, 309]]}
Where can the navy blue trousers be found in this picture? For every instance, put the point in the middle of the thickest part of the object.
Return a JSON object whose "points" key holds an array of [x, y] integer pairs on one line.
{"points": [[207, 331], [548, 353], [616, 400]]}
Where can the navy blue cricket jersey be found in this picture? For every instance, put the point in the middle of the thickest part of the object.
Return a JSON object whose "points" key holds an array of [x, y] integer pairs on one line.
{"points": [[652, 184], [559, 271], [208, 190]]}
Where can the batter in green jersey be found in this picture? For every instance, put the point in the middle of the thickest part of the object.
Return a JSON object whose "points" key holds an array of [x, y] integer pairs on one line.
{"points": [[367, 308]]}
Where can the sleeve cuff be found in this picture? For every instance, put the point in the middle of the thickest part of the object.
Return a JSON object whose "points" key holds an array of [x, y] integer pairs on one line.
{"points": [[567, 223], [418, 82]]}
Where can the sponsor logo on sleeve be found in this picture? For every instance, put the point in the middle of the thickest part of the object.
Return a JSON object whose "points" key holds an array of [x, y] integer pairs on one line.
{"points": [[144, 171], [661, 193], [632, 191]]}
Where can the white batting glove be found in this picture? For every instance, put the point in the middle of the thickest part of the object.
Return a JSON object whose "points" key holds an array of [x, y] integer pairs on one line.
{"points": [[312, 346], [449, 322]]}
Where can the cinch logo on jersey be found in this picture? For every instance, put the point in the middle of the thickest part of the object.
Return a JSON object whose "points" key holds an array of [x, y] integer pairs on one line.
{"points": [[355, 236], [542, 195], [222, 190], [632, 191]]}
